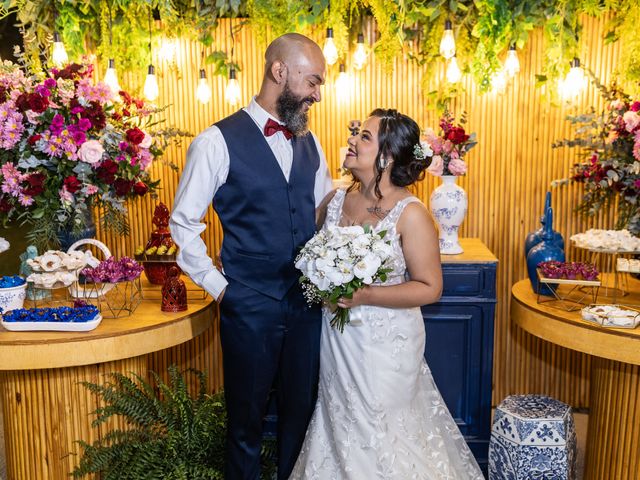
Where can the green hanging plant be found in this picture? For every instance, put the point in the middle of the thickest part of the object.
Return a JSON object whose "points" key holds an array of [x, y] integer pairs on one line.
{"points": [[171, 434]]}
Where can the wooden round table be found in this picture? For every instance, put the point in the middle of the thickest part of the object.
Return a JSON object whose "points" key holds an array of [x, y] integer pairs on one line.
{"points": [[613, 438], [46, 409]]}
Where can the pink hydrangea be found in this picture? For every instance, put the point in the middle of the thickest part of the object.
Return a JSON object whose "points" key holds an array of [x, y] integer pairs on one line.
{"points": [[457, 167]]}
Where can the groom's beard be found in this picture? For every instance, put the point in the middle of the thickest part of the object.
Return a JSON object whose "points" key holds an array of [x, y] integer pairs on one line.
{"points": [[289, 108]]}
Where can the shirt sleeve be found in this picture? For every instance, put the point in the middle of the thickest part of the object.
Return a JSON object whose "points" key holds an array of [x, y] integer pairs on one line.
{"points": [[323, 182], [206, 169]]}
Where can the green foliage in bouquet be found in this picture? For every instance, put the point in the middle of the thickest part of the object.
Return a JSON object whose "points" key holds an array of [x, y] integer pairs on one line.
{"points": [[172, 435]]}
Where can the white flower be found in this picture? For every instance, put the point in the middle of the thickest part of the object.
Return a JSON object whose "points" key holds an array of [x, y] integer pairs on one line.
{"points": [[366, 268], [4, 245], [91, 151]]}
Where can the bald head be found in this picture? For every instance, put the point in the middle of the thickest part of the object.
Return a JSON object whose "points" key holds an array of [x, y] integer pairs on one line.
{"points": [[291, 48]]}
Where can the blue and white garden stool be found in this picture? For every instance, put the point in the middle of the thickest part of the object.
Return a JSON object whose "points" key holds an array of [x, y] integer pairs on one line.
{"points": [[532, 438]]}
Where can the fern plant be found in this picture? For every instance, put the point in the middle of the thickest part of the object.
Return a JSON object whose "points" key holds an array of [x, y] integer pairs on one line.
{"points": [[172, 435]]}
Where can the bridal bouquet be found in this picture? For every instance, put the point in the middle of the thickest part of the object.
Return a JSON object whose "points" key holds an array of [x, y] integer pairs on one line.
{"points": [[337, 261]]}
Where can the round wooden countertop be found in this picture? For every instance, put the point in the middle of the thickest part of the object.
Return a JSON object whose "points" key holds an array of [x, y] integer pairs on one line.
{"points": [[569, 330], [147, 330]]}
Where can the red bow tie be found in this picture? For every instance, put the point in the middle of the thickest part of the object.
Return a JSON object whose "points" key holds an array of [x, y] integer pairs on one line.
{"points": [[272, 127]]}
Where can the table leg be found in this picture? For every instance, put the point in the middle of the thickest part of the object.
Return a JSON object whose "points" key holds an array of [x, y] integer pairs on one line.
{"points": [[47, 411], [613, 438]]}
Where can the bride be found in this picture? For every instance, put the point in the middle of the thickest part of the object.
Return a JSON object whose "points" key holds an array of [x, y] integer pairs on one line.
{"points": [[379, 414]]}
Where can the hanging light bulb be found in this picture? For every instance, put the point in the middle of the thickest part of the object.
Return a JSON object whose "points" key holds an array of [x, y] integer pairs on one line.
{"points": [[574, 82], [151, 90], [330, 51], [232, 92], [499, 81], [203, 93], [59, 55], [342, 84], [360, 55], [111, 78], [512, 63], [448, 42], [453, 71]]}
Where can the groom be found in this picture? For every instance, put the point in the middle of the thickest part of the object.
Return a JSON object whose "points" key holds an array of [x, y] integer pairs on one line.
{"points": [[265, 173]]}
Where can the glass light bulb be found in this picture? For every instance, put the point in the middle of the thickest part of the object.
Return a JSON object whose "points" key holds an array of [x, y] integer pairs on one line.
{"points": [[574, 82], [499, 81], [360, 54], [151, 90], [111, 78], [59, 55], [342, 84], [453, 71], [448, 42], [232, 91], [203, 92], [512, 63], [330, 51]]}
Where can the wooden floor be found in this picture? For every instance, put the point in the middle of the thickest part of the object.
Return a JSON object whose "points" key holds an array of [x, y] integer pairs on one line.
{"points": [[581, 420]]}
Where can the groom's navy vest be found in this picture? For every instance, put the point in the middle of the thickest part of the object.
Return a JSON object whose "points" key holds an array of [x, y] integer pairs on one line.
{"points": [[265, 220]]}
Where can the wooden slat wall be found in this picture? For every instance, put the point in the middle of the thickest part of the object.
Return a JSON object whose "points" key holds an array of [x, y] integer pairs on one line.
{"points": [[509, 171]]}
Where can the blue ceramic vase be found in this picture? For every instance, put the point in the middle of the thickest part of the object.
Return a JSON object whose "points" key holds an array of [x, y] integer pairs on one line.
{"points": [[66, 237], [535, 238], [548, 249]]}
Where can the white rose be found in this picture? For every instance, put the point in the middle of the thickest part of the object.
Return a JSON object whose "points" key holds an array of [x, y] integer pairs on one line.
{"points": [[91, 151], [146, 141]]}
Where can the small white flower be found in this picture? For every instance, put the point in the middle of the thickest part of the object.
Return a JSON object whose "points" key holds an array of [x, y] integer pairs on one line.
{"points": [[91, 151]]}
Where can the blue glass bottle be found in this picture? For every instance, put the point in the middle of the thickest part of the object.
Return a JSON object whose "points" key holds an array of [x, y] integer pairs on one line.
{"points": [[548, 249], [534, 238]]}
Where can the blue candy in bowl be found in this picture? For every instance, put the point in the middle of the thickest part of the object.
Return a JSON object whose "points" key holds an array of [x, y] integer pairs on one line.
{"points": [[12, 292]]}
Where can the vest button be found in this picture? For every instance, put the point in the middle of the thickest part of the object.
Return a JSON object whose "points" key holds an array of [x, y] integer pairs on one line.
{"points": [[295, 231], [291, 188], [293, 210]]}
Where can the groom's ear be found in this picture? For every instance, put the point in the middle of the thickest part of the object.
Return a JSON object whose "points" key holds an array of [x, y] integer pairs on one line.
{"points": [[279, 71]]}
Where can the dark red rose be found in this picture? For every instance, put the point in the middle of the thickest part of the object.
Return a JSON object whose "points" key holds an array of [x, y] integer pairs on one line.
{"points": [[22, 102], [135, 136], [38, 103], [73, 71], [140, 188], [95, 114], [35, 184], [72, 184], [457, 135], [122, 186], [107, 171], [33, 139], [5, 206]]}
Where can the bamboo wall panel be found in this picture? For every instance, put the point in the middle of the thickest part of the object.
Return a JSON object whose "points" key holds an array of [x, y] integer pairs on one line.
{"points": [[509, 171]]}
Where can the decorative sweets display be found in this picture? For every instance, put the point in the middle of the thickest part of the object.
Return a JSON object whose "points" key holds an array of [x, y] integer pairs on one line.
{"points": [[55, 268], [628, 265], [79, 314], [610, 240], [10, 281], [568, 270], [612, 316], [159, 254], [113, 271]]}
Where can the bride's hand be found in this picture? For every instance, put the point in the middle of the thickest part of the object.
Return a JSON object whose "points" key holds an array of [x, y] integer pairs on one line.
{"points": [[360, 297]]}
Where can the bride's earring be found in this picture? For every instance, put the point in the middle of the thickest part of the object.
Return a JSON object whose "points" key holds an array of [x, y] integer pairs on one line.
{"points": [[383, 163]]}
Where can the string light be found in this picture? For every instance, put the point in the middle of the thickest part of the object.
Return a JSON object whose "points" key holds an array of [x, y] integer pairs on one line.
{"points": [[151, 90], [453, 71], [330, 51], [203, 92], [574, 82], [111, 76], [59, 55], [512, 63], [232, 92], [342, 84], [448, 42], [360, 55], [499, 81]]}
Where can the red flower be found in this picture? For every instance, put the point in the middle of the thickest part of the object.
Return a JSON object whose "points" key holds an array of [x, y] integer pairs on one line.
{"points": [[635, 106], [107, 171], [38, 103], [33, 139], [135, 136], [122, 186], [73, 71], [140, 188], [72, 184], [457, 135], [5, 206], [35, 185], [95, 114]]}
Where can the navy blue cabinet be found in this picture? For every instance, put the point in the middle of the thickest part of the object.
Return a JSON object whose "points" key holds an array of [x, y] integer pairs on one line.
{"points": [[459, 346]]}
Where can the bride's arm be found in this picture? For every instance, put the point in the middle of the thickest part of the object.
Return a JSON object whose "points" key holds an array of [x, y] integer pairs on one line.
{"points": [[321, 210], [422, 256]]}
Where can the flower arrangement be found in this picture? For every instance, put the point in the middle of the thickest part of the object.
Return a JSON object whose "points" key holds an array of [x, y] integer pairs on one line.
{"points": [[449, 148], [610, 143], [337, 261], [113, 271], [68, 144], [568, 270]]}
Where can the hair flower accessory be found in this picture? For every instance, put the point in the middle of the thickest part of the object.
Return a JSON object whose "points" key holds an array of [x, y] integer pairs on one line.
{"points": [[422, 150]]}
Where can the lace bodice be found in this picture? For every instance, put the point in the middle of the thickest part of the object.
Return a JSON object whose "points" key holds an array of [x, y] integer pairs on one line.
{"points": [[388, 224]]}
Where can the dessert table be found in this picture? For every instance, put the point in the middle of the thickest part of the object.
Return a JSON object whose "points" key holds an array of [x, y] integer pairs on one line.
{"points": [[613, 438], [46, 409]]}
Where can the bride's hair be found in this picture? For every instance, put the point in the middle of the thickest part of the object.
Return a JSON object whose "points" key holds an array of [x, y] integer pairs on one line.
{"points": [[398, 135]]}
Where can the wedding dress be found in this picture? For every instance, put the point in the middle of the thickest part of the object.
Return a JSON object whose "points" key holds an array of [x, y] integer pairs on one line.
{"points": [[379, 414]]}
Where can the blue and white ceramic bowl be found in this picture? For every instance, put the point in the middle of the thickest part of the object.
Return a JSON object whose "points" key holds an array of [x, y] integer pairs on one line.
{"points": [[12, 298]]}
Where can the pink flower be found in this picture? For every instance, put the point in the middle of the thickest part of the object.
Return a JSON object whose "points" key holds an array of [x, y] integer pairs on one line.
{"points": [[635, 106], [145, 159], [457, 167], [146, 141], [631, 120], [91, 151], [437, 166], [25, 200], [617, 105], [65, 195], [89, 189]]}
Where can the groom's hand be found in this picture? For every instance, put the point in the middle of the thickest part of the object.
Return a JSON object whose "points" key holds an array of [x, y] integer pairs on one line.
{"points": [[219, 299]]}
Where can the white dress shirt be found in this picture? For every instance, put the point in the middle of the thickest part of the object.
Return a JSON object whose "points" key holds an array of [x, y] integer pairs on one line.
{"points": [[205, 172]]}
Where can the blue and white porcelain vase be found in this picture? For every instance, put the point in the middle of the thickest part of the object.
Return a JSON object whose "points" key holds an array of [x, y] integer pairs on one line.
{"points": [[449, 206]]}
